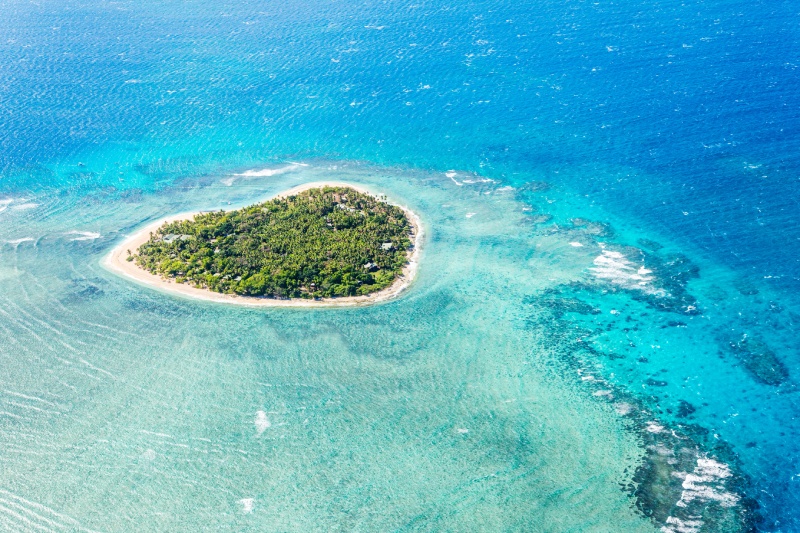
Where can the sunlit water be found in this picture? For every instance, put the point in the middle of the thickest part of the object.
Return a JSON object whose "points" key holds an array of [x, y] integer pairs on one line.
{"points": [[601, 335]]}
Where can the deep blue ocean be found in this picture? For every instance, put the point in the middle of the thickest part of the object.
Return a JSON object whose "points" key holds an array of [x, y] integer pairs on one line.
{"points": [[615, 140]]}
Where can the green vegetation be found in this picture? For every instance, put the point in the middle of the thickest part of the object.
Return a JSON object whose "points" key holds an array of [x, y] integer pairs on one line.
{"points": [[325, 242]]}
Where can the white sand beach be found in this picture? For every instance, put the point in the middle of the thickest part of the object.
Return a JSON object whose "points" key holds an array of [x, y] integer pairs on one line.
{"points": [[117, 261]]}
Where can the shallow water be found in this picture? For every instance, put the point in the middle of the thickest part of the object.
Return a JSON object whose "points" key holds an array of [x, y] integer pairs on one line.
{"points": [[421, 413], [602, 330]]}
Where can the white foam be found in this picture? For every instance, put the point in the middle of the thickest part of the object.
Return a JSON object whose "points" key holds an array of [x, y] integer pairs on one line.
{"points": [[262, 422], [452, 175], [704, 483], [248, 504], [653, 427], [676, 525], [576, 244], [83, 235], [22, 207], [13, 203], [470, 215], [267, 172], [615, 268], [20, 241]]}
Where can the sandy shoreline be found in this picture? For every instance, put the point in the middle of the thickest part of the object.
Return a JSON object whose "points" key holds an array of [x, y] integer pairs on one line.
{"points": [[116, 261]]}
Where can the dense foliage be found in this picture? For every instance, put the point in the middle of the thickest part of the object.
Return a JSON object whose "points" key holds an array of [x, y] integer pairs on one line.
{"points": [[324, 242]]}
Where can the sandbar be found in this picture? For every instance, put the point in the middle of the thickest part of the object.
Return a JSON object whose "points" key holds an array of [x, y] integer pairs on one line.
{"points": [[117, 262]]}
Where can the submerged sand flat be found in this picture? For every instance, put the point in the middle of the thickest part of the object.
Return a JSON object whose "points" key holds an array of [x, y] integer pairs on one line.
{"points": [[117, 262]]}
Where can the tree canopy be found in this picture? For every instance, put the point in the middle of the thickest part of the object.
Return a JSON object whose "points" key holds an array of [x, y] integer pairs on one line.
{"points": [[323, 242]]}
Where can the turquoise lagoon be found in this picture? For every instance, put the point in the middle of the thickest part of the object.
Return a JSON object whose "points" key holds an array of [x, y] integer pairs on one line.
{"points": [[463, 405]]}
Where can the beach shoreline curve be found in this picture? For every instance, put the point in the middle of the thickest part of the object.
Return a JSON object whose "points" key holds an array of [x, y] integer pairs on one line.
{"points": [[117, 262]]}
